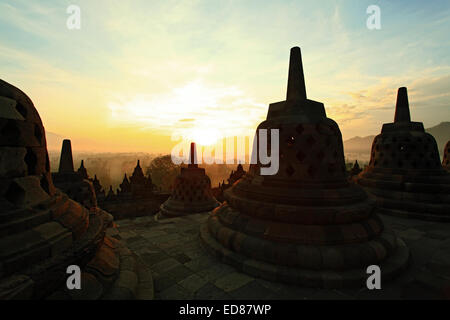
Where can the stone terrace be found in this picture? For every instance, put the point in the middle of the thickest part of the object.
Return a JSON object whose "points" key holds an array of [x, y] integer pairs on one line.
{"points": [[183, 269]]}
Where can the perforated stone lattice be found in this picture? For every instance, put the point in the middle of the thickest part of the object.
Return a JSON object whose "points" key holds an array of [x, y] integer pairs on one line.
{"points": [[405, 151], [21, 129], [192, 190], [310, 151]]}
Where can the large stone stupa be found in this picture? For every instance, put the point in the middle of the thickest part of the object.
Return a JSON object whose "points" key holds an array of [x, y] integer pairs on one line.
{"points": [[405, 174], [191, 192], [306, 224], [43, 231]]}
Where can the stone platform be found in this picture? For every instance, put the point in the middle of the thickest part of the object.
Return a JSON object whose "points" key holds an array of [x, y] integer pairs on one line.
{"points": [[183, 269]]}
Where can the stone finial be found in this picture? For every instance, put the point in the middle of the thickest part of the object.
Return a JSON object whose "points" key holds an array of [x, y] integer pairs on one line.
{"points": [[193, 156], [296, 88], [66, 160], [402, 108]]}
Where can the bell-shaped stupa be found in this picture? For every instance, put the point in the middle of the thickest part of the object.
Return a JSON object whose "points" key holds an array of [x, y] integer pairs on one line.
{"points": [[405, 174], [191, 191], [71, 182], [43, 232], [446, 160], [306, 224]]}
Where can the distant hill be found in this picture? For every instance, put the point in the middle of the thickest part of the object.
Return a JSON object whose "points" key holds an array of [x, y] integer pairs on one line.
{"points": [[441, 133]]}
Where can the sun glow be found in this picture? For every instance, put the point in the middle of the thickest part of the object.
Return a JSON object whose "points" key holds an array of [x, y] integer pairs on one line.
{"points": [[204, 136], [196, 112]]}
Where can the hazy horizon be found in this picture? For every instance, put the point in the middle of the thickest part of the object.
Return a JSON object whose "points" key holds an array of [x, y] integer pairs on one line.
{"points": [[138, 72]]}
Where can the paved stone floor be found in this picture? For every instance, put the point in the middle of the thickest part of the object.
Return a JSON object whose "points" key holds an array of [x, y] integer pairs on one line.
{"points": [[183, 269]]}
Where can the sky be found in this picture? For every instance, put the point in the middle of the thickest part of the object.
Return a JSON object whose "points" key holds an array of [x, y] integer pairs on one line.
{"points": [[138, 75]]}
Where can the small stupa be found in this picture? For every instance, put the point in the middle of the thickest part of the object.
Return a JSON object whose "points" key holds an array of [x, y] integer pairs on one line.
{"points": [[82, 171], [74, 184], [191, 191], [125, 187], [405, 174], [306, 224], [356, 169], [99, 192]]}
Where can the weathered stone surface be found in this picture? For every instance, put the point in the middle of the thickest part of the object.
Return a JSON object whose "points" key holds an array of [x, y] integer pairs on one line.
{"points": [[415, 282]]}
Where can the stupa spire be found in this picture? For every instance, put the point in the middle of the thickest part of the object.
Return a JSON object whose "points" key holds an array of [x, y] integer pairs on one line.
{"points": [[66, 160], [402, 108], [193, 156], [296, 88]]}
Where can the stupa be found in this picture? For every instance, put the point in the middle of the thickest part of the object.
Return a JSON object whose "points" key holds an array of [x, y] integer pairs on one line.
{"points": [[140, 185], [405, 174], [99, 192], [356, 169], [43, 231], [82, 171], [446, 160], [306, 224], [191, 191], [125, 187], [73, 183]]}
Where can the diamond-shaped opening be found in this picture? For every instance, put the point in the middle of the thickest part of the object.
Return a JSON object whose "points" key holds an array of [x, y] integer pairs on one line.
{"points": [[31, 161], [310, 141], [301, 156], [38, 133], [290, 141], [290, 170], [312, 171], [22, 110], [10, 129], [15, 193]]}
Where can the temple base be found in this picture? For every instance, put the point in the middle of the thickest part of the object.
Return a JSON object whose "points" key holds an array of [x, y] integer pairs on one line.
{"points": [[393, 203], [331, 279]]}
